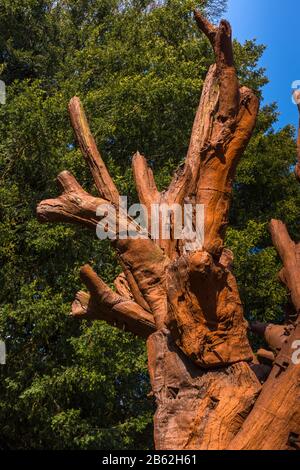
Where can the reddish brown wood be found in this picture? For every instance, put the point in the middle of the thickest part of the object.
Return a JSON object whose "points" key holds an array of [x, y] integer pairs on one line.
{"points": [[287, 251], [204, 376], [205, 313], [122, 287], [196, 409], [144, 180], [87, 144], [104, 304], [74, 206], [274, 423]]}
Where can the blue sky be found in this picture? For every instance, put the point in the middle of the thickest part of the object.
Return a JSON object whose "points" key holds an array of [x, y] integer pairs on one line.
{"points": [[274, 23]]}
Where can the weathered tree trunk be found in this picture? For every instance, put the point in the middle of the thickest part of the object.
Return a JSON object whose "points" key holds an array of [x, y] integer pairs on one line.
{"points": [[204, 376]]}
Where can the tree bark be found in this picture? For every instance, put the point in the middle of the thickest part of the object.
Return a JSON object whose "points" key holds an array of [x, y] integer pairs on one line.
{"points": [[185, 303]]}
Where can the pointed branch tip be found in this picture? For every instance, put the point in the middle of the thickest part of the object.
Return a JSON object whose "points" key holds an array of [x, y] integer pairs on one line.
{"points": [[88, 147]]}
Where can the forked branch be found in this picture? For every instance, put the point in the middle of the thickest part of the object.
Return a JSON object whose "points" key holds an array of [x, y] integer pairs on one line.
{"points": [[74, 206], [223, 125], [104, 304], [221, 40], [189, 299]]}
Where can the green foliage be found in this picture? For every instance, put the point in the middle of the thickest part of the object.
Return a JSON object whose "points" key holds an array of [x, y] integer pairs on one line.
{"points": [[265, 188], [64, 383], [138, 66], [256, 269]]}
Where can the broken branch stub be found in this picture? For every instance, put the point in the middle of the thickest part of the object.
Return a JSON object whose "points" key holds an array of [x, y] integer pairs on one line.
{"points": [[104, 304]]}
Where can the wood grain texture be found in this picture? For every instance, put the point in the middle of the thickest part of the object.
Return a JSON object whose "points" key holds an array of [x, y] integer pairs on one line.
{"points": [[104, 304], [274, 423], [205, 312], [196, 409], [87, 144], [204, 376]]}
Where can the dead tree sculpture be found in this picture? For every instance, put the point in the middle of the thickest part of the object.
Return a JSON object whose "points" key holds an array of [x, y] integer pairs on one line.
{"points": [[206, 380]]}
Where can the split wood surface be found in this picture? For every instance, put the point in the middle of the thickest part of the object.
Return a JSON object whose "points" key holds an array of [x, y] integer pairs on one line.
{"points": [[186, 304]]}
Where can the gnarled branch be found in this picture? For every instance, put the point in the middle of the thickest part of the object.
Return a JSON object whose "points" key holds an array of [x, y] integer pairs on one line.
{"points": [[274, 335], [221, 40], [87, 144], [122, 287], [194, 295], [287, 251], [104, 304], [223, 125], [145, 272], [144, 181], [74, 206], [275, 418], [277, 408]]}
